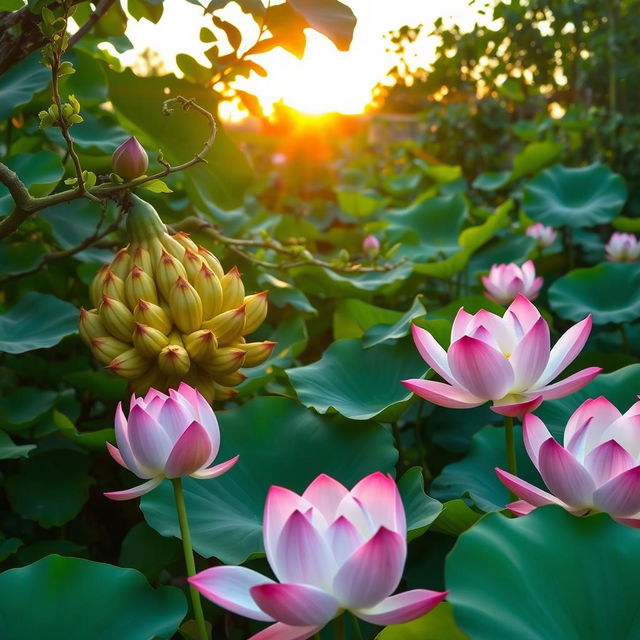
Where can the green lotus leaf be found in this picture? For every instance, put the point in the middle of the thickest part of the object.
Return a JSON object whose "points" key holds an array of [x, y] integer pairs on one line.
{"points": [[20, 82], [36, 322], [382, 333], [279, 443], [545, 576], [610, 292], [353, 317], [575, 197], [438, 624], [74, 599], [359, 383], [421, 509], [9, 450]]}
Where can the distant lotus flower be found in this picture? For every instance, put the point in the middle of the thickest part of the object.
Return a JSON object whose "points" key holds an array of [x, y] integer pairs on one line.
{"points": [[167, 437], [130, 160], [597, 469], [331, 549], [506, 281], [371, 245], [544, 236], [506, 359], [622, 247], [279, 159]]}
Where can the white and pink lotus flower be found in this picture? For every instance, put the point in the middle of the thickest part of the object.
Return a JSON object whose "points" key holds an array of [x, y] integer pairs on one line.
{"points": [[506, 281], [597, 469], [622, 247], [332, 550], [544, 236], [507, 360], [167, 436]]}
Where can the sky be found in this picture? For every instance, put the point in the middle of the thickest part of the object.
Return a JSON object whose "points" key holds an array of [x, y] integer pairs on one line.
{"points": [[325, 79]]}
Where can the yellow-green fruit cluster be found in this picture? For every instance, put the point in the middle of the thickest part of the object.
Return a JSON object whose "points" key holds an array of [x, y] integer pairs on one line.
{"points": [[165, 312]]}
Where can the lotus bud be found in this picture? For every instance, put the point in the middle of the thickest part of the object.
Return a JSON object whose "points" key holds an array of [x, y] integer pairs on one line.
{"points": [[113, 286], [143, 222], [192, 263], [121, 263], [152, 315], [232, 289], [256, 352], [231, 379], [156, 249], [106, 348], [256, 311], [186, 306], [142, 259], [201, 345], [208, 286], [130, 160], [169, 270], [228, 326], [186, 241], [212, 261], [116, 318], [174, 360], [139, 285], [223, 393], [371, 246], [90, 325], [172, 246], [95, 291], [149, 341], [225, 360], [129, 364]]}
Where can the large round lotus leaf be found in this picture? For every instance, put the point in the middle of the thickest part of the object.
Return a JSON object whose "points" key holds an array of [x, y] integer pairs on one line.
{"points": [[359, 383], [610, 292], [546, 576], [279, 443], [475, 475], [74, 599], [621, 388], [576, 197]]}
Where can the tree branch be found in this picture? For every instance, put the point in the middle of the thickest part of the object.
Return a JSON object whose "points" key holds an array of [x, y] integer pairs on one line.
{"points": [[102, 8]]}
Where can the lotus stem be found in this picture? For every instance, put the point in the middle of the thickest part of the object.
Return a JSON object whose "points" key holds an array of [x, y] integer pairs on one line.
{"points": [[339, 627], [397, 436], [188, 556], [510, 447], [356, 627]]}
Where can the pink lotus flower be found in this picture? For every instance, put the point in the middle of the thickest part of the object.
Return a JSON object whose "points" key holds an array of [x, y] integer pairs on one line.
{"points": [[597, 469], [623, 247], [167, 437], [506, 359], [544, 236], [371, 245], [506, 281], [332, 549]]}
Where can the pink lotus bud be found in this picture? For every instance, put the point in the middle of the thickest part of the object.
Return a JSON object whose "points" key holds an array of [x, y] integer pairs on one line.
{"points": [[371, 245], [506, 281], [331, 550], [167, 437], [503, 359], [130, 160], [595, 470], [544, 236], [622, 247]]}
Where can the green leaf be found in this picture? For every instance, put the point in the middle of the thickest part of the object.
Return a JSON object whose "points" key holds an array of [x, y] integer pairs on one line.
{"points": [[139, 9], [157, 186], [79, 599], [547, 575], [8, 547], [330, 18], [533, 158], [138, 102], [590, 290], [93, 440], [226, 513], [282, 294], [359, 383], [386, 332], [38, 321], [492, 180], [51, 487], [576, 197], [40, 172], [360, 204], [421, 509], [455, 518], [10, 450], [22, 406], [438, 624], [20, 257], [353, 317], [146, 550], [11, 5], [21, 81]]}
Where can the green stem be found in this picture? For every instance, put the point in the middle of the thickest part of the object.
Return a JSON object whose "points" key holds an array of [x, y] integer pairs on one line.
{"points": [[317, 636], [510, 446], [426, 472], [402, 458], [625, 339], [338, 626], [356, 627], [188, 556]]}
